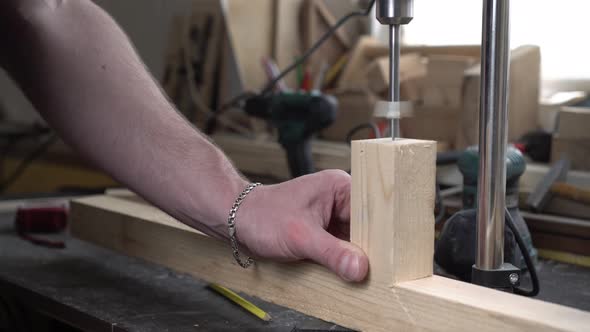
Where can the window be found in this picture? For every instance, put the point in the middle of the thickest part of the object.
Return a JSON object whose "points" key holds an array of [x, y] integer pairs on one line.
{"points": [[560, 28]]}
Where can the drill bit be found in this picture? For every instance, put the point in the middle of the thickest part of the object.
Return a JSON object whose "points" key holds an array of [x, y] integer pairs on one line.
{"points": [[394, 79], [394, 13]]}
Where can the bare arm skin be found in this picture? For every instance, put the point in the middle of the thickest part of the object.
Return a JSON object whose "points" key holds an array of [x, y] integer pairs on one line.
{"points": [[81, 72]]}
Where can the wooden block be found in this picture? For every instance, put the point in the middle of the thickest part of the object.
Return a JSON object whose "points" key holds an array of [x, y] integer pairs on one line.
{"points": [[442, 96], [432, 123], [394, 226], [443, 86], [287, 43], [355, 107], [448, 69], [132, 227], [523, 101], [250, 28], [574, 123], [473, 51], [552, 105], [318, 16], [577, 150], [412, 67], [366, 50]]}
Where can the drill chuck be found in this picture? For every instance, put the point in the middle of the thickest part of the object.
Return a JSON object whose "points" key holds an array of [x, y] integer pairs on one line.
{"points": [[395, 12]]}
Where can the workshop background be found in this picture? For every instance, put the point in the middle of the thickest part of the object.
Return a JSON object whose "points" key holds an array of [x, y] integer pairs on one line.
{"points": [[210, 55]]}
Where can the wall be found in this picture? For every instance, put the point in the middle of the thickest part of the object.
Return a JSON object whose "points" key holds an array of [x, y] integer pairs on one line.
{"points": [[145, 21]]}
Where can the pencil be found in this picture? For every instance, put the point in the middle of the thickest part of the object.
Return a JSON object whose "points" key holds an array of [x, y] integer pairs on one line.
{"points": [[242, 302]]}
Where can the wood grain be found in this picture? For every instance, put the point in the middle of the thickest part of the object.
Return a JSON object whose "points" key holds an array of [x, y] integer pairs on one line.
{"points": [[392, 202], [267, 157], [134, 228]]}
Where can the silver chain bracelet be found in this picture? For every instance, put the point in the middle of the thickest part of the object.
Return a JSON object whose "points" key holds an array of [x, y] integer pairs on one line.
{"points": [[231, 224]]}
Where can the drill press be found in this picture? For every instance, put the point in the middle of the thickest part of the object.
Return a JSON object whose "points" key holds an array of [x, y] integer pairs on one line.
{"points": [[394, 13], [490, 268]]}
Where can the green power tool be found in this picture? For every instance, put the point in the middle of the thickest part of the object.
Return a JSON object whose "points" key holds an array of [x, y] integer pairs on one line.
{"points": [[297, 116], [456, 246]]}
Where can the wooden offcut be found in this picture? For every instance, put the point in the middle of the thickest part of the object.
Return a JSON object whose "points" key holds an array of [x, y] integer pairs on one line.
{"points": [[523, 101], [572, 138]]}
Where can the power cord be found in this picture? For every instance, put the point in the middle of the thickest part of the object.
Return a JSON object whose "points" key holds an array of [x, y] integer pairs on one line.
{"points": [[269, 87], [360, 127], [527, 258], [440, 205]]}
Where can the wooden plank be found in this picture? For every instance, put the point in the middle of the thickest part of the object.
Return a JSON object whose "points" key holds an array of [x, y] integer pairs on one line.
{"points": [[355, 107], [250, 25], [453, 50], [267, 157], [395, 228], [430, 304], [577, 150], [411, 65], [523, 102], [366, 50], [287, 43], [317, 19], [574, 123], [536, 172]]}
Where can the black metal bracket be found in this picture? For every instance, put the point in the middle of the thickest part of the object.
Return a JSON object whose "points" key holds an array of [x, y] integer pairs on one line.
{"points": [[507, 277]]}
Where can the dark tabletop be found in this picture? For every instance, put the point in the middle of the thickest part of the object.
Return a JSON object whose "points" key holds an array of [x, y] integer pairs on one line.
{"points": [[97, 289]]}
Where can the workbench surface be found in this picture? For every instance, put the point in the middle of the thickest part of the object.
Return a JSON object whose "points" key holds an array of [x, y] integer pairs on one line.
{"points": [[99, 290]]}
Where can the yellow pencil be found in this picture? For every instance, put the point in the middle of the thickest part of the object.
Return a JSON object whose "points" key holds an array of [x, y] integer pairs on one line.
{"points": [[242, 302]]}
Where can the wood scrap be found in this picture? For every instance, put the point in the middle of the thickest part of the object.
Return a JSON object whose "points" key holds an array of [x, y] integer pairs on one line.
{"points": [[364, 52], [288, 44], [249, 45], [443, 87], [355, 107], [267, 157], [523, 101], [411, 66], [552, 104], [317, 17], [572, 138]]}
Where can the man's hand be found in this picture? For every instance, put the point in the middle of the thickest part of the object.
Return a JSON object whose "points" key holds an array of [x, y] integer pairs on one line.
{"points": [[80, 71], [306, 218]]}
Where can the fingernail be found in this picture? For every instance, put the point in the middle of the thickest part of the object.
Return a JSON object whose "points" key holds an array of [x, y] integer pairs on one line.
{"points": [[349, 267]]}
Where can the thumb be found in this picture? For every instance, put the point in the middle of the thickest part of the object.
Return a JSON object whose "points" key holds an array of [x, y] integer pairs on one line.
{"points": [[343, 258]]}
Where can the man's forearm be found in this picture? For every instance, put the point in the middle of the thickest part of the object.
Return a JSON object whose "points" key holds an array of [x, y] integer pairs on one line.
{"points": [[84, 76]]}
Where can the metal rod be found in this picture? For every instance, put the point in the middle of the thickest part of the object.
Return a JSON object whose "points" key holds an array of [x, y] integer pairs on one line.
{"points": [[394, 88], [493, 134]]}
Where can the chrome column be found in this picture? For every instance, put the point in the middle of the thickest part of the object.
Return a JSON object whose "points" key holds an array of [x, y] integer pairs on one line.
{"points": [[493, 139]]}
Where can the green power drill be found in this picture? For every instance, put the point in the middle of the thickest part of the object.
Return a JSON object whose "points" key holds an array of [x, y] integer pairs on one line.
{"points": [[298, 116], [456, 246]]}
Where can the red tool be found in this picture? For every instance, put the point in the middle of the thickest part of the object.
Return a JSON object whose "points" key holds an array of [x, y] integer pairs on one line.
{"points": [[48, 219]]}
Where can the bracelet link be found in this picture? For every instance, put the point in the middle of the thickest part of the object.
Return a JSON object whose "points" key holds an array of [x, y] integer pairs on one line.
{"points": [[231, 224]]}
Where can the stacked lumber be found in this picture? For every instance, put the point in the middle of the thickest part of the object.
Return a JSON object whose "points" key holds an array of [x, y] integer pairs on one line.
{"points": [[213, 57]]}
